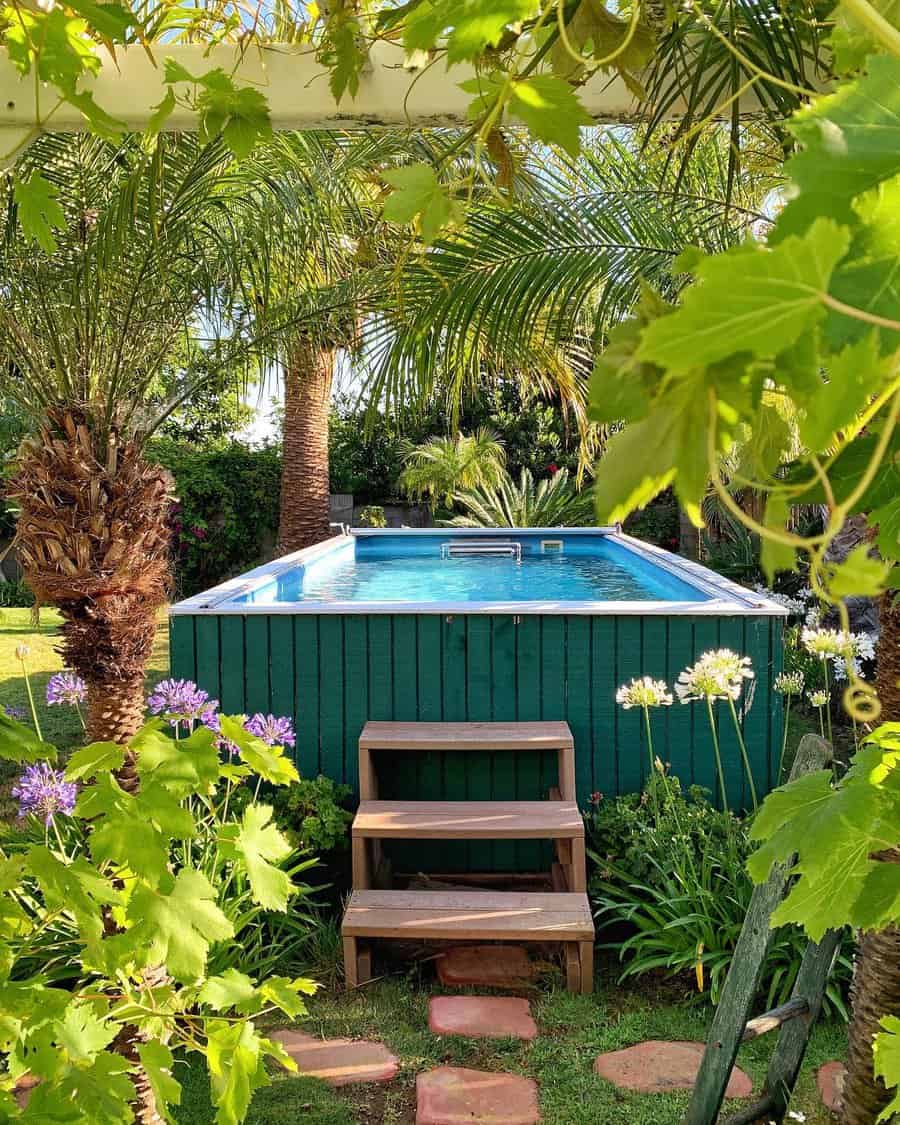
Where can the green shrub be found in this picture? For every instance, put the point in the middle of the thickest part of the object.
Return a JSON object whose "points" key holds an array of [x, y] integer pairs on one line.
{"points": [[672, 871], [228, 499], [311, 813], [372, 516], [16, 595]]}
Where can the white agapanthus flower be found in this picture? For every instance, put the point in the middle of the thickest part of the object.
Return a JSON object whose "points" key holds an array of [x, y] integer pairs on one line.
{"points": [[813, 618], [718, 674], [827, 643], [789, 683], [794, 606], [644, 692], [819, 698]]}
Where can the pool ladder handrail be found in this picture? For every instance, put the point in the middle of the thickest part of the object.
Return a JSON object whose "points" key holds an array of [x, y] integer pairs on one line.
{"points": [[507, 548]]}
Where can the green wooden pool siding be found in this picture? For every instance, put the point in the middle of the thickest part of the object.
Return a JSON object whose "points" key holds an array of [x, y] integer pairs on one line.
{"points": [[334, 671]]}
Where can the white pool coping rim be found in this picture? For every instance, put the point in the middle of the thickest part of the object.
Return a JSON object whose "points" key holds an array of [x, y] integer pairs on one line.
{"points": [[724, 598]]}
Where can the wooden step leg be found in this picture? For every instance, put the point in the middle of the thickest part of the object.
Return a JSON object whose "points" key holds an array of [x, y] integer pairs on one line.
{"points": [[586, 960], [360, 861], [566, 767], [573, 967], [578, 882], [351, 965]]}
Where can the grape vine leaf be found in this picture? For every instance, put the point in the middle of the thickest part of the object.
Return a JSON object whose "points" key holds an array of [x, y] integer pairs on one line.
{"points": [[267, 761], [550, 108], [418, 196], [851, 40], [753, 299], [258, 845], [231, 989], [595, 30], [110, 20], [39, 211], [158, 1063], [887, 520], [886, 1057], [95, 758], [851, 383], [183, 765], [54, 41], [175, 924], [859, 574], [236, 1055], [775, 556], [240, 114], [19, 743], [470, 25], [83, 1032]]}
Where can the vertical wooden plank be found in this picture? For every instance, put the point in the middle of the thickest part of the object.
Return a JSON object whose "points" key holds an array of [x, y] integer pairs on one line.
{"points": [[528, 709], [256, 672], [629, 736], [680, 718], [453, 680], [553, 685], [706, 636], [306, 693], [654, 635], [578, 702], [401, 772], [428, 658], [231, 631], [332, 757], [758, 704], [774, 708], [603, 705], [731, 636], [503, 694], [356, 691], [479, 709], [281, 643], [381, 667], [182, 647], [206, 641]]}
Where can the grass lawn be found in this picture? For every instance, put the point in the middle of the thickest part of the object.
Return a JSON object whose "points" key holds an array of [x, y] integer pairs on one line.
{"points": [[573, 1031], [59, 725]]}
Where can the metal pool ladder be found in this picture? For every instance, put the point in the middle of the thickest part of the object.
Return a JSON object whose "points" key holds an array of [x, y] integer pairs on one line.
{"points": [[505, 548]]}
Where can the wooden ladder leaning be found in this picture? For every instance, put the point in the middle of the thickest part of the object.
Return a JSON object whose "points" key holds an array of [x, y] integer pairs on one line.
{"points": [[426, 915], [794, 1018]]}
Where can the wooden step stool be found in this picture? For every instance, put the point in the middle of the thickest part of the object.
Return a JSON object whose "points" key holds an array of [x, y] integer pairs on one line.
{"points": [[476, 915]]}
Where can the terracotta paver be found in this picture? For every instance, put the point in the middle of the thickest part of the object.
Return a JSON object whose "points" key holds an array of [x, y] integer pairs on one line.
{"points": [[830, 1080], [481, 1017], [339, 1062], [657, 1066], [490, 966], [452, 1095]]}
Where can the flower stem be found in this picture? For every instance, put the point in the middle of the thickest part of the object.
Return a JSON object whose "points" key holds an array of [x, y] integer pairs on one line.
{"points": [[34, 718], [784, 737], [744, 755], [718, 753], [828, 704], [646, 711], [821, 723]]}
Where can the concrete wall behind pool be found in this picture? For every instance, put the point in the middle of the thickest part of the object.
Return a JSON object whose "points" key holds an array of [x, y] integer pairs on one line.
{"points": [[332, 672]]}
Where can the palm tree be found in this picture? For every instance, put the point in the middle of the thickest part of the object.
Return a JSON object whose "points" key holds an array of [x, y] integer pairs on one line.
{"points": [[85, 331], [442, 466], [553, 502]]}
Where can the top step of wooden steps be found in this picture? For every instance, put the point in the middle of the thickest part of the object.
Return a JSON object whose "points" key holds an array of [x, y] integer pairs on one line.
{"points": [[466, 736]]}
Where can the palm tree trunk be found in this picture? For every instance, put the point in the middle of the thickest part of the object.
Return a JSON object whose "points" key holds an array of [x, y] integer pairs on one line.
{"points": [[93, 540], [876, 980], [304, 481]]}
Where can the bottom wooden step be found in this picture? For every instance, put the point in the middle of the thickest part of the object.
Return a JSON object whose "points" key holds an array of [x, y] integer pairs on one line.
{"points": [[471, 916]]}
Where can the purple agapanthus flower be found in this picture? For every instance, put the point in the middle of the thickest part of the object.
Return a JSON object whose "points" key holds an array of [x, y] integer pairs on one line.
{"points": [[66, 687], [43, 792], [17, 713], [276, 730], [212, 721], [183, 701]]}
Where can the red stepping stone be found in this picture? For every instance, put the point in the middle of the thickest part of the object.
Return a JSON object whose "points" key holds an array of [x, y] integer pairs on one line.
{"points": [[453, 1095], [489, 966], [657, 1066], [830, 1080], [339, 1062], [481, 1017]]}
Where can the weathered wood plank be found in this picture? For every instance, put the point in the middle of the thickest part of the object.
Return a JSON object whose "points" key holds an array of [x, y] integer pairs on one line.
{"points": [[466, 736], [473, 820]]}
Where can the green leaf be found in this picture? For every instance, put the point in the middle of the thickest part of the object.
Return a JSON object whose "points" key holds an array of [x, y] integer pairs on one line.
{"points": [[236, 1054], [418, 196], [53, 41], [550, 108], [257, 844], [854, 376], [158, 1064], [851, 40], [470, 25], [267, 761], [753, 299], [110, 20], [98, 757], [775, 557], [859, 574], [232, 989], [850, 143], [76, 887], [161, 114], [887, 520], [240, 114], [174, 71], [343, 52], [886, 1059], [99, 1093], [38, 210], [182, 766], [878, 904], [19, 743], [176, 924], [596, 31], [83, 1032], [282, 993]]}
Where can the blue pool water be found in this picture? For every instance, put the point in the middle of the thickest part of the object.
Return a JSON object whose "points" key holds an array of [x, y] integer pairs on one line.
{"points": [[410, 569]]}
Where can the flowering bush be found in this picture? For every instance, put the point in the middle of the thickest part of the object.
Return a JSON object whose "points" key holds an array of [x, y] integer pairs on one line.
{"points": [[143, 882]]}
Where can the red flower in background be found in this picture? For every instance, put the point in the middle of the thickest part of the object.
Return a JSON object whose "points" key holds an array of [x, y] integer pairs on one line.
{"points": [[552, 468], [198, 532]]}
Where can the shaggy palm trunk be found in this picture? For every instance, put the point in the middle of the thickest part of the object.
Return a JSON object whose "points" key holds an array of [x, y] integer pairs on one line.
{"points": [[304, 516], [876, 981], [93, 540]]}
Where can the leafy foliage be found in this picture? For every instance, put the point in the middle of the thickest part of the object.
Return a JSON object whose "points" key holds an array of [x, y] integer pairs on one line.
{"points": [[551, 502], [115, 905], [441, 467], [313, 815]]}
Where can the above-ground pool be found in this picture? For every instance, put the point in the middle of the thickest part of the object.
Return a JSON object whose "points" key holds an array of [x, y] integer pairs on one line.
{"points": [[495, 625]]}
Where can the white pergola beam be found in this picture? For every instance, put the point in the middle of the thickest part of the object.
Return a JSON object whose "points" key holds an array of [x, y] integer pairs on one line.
{"points": [[295, 85]]}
